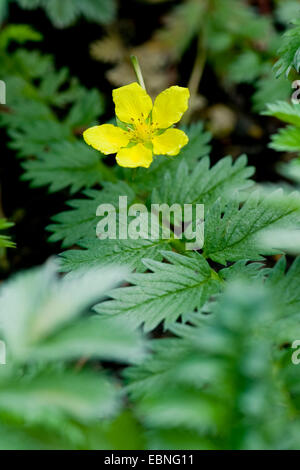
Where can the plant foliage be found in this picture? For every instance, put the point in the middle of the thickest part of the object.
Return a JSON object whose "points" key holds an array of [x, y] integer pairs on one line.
{"points": [[47, 398], [141, 343], [5, 240]]}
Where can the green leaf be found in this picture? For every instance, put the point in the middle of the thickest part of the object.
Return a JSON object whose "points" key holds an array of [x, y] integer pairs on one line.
{"points": [[45, 400], [286, 112], [19, 33], [287, 10], [270, 89], [32, 110], [72, 226], [61, 14], [66, 164], [20, 437], [246, 68], [165, 294], [196, 148], [36, 136], [286, 140], [88, 107], [291, 170], [52, 396], [40, 305], [3, 10], [204, 184], [289, 49], [64, 13], [5, 241], [28, 65], [234, 234], [30, 4], [96, 253], [100, 11], [93, 338], [284, 326], [214, 387]]}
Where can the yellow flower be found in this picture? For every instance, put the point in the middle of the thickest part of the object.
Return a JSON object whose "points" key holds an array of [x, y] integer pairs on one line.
{"points": [[144, 129]]}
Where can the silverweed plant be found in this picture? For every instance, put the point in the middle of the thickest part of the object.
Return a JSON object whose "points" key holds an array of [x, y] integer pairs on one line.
{"points": [[141, 343]]}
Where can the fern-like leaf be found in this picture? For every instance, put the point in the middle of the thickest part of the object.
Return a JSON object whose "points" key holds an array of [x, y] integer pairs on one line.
{"points": [[173, 288]]}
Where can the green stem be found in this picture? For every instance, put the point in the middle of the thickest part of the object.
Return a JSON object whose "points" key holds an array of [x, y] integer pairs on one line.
{"points": [[138, 71], [196, 75]]}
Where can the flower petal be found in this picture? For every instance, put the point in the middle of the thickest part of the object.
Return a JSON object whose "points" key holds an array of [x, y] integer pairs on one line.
{"points": [[169, 106], [170, 142], [132, 103], [132, 157], [106, 138]]}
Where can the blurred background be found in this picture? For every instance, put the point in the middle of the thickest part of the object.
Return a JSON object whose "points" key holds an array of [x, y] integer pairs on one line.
{"points": [[220, 375]]}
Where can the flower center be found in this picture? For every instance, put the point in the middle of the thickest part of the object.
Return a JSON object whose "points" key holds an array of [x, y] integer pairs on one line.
{"points": [[142, 132]]}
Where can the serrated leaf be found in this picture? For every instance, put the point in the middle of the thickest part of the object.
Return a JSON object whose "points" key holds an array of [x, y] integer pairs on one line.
{"points": [[246, 68], [88, 107], [19, 33], [5, 240], [204, 184], [64, 13], [83, 397], [23, 110], [93, 338], [291, 170], [286, 296], [30, 3], [66, 164], [36, 136], [45, 401], [74, 225], [287, 10], [104, 252], [39, 305], [165, 294], [191, 382], [286, 112], [234, 235], [289, 49], [201, 186], [61, 14], [100, 11], [270, 89], [286, 140]]}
